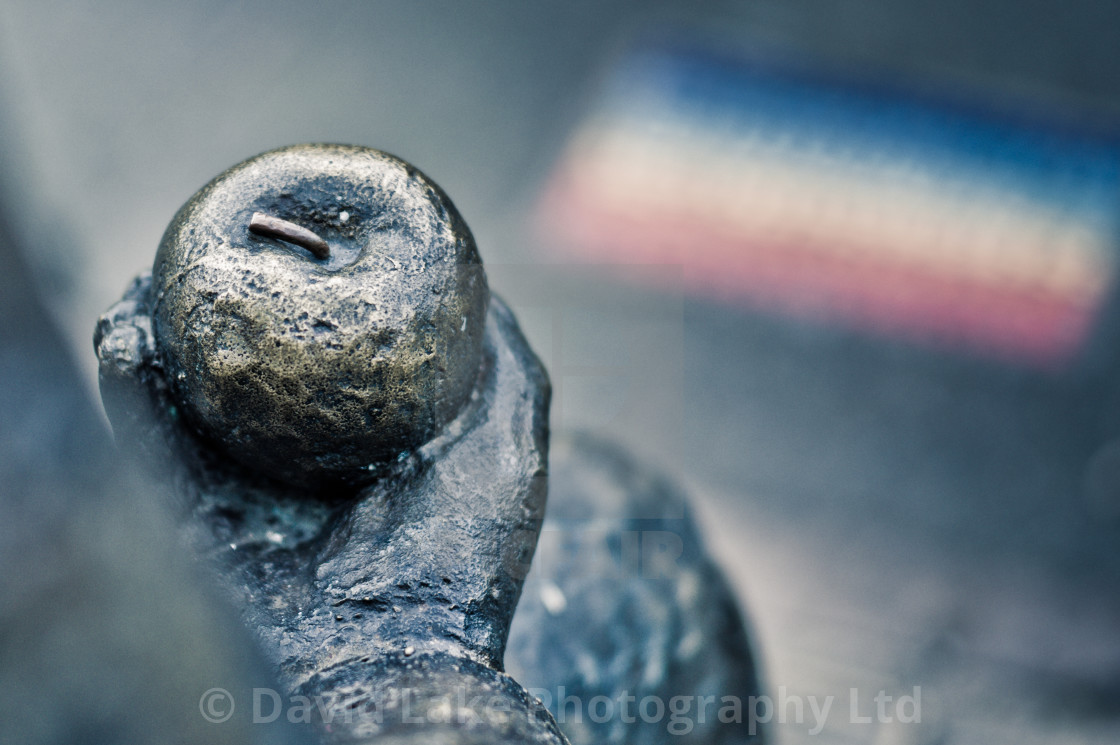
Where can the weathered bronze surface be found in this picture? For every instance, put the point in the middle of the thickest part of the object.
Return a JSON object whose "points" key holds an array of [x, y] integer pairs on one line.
{"points": [[358, 446], [317, 369]]}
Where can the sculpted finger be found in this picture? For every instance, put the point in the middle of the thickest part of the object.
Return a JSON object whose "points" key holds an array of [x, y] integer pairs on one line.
{"points": [[436, 560]]}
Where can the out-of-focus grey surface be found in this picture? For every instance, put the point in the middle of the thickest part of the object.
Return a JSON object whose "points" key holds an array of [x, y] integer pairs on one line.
{"points": [[891, 517], [106, 633]]}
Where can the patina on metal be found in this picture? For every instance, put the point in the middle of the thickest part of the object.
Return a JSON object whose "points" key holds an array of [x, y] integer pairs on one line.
{"points": [[317, 370], [358, 446]]}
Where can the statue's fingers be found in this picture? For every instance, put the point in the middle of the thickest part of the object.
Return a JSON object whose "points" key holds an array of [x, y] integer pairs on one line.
{"points": [[438, 558]]}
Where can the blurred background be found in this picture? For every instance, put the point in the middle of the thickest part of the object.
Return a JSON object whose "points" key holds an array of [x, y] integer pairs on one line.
{"points": [[846, 270]]}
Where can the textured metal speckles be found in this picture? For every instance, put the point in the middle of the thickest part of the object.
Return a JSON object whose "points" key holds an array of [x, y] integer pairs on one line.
{"points": [[313, 370]]}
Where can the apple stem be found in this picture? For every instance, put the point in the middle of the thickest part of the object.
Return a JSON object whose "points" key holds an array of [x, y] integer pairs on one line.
{"points": [[274, 227]]}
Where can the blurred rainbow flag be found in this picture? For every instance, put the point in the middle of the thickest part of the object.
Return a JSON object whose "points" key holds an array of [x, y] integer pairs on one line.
{"points": [[845, 204]]}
